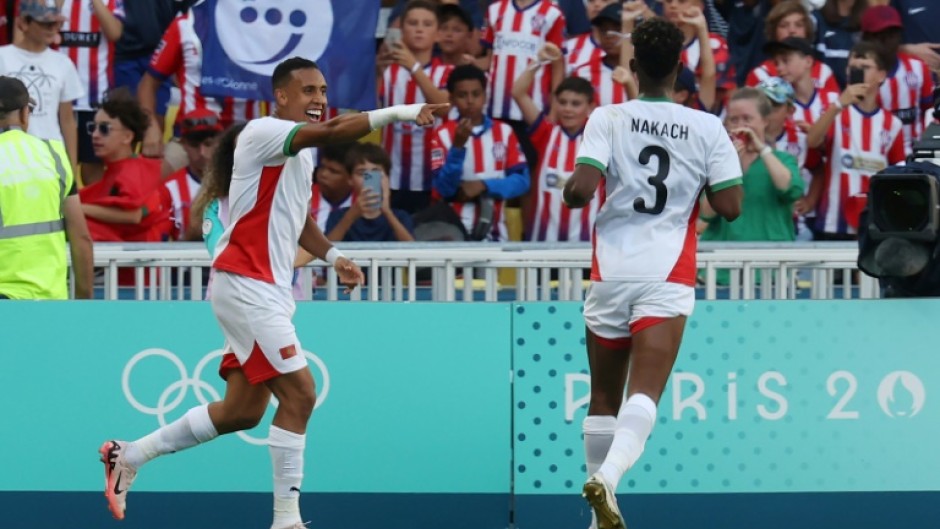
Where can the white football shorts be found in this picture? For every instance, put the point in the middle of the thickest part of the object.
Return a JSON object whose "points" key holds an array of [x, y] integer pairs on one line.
{"points": [[615, 308]]}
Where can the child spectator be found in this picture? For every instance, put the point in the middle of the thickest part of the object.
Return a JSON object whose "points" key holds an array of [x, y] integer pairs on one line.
{"points": [[125, 204], [791, 19], [794, 59], [865, 140], [455, 37], [332, 189], [515, 31], [546, 215], [477, 161], [677, 12], [585, 47], [199, 131], [907, 91], [838, 27], [412, 75], [370, 217], [599, 71]]}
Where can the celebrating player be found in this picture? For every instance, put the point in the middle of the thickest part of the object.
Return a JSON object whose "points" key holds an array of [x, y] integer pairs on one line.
{"points": [[656, 157], [269, 199]]}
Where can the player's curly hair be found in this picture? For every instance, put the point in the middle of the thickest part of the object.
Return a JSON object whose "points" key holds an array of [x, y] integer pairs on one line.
{"points": [[122, 106], [218, 176], [657, 44]]}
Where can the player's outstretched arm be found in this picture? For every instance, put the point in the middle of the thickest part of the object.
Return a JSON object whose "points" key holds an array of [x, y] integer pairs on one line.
{"points": [[726, 202], [580, 188], [351, 127]]}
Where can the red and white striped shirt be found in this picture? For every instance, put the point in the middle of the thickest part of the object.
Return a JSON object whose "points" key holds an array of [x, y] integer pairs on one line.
{"points": [[692, 54], [823, 78], [906, 93], [516, 36], [407, 143], [180, 54], [551, 219], [607, 91], [859, 145], [92, 53], [812, 109], [792, 140], [581, 49], [177, 196], [320, 207], [489, 154]]}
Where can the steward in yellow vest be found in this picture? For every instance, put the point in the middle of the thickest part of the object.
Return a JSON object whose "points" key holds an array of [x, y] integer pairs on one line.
{"points": [[39, 208]]}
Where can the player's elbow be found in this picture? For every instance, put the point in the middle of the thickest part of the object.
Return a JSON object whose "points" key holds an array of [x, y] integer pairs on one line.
{"points": [[727, 202]]}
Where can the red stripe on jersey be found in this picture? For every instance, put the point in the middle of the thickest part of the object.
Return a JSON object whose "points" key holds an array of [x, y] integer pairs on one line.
{"points": [[247, 251], [595, 268], [684, 270]]}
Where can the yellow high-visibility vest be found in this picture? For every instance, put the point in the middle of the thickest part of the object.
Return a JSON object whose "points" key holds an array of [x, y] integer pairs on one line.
{"points": [[35, 178]]}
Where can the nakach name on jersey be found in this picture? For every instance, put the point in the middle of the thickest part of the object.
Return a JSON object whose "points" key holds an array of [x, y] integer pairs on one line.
{"points": [[657, 157]]}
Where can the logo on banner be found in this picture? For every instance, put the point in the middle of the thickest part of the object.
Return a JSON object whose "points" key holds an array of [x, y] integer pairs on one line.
{"points": [[901, 394], [174, 393], [287, 28]]}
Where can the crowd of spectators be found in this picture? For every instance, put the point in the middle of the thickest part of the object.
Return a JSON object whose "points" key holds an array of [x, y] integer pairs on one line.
{"points": [[818, 96]]}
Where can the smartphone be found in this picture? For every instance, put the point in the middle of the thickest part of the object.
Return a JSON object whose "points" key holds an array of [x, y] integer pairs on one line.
{"points": [[856, 76], [392, 36], [372, 179]]}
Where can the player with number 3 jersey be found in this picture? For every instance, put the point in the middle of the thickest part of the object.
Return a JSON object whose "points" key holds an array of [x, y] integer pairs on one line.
{"points": [[656, 159]]}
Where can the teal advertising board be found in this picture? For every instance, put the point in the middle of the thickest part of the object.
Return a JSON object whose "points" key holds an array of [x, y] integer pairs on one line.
{"points": [[469, 416]]}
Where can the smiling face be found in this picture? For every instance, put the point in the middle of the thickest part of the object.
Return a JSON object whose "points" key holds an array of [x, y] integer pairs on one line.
{"points": [[287, 26], [303, 98], [573, 109]]}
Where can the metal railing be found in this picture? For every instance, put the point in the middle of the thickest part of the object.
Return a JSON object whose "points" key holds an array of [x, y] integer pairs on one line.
{"points": [[497, 272]]}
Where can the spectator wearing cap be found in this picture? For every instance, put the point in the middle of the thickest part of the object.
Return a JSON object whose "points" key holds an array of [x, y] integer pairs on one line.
{"points": [[50, 77], [907, 91], [88, 36], [41, 209], [125, 204], [793, 57], [199, 131], [786, 136], [791, 19], [838, 28]]}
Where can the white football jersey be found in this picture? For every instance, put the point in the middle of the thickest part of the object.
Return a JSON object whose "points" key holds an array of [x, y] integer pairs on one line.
{"points": [[269, 201], [657, 157]]}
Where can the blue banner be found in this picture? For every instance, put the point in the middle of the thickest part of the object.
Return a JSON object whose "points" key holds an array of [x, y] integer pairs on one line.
{"points": [[247, 39]]}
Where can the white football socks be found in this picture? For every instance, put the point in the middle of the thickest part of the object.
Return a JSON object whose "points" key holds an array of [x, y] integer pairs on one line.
{"points": [[634, 425], [287, 458], [598, 435], [193, 428]]}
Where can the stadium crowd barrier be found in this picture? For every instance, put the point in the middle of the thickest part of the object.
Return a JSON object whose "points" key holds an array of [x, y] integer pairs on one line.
{"points": [[500, 272]]}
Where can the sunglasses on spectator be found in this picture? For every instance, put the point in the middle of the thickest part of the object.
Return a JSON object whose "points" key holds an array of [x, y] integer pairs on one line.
{"points": [[104, 128], [195, 123]]}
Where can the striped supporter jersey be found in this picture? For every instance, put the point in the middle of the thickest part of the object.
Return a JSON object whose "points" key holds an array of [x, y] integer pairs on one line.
{"points": [[179, 54], [407, 143], [601, 76], [320, 207], [906, 93], [516, 36], [859, 145], [692, 54], [269, 202], [85, 44], [823, 78], [581, 49], [489, 154], [177, 194], [657, 157], [551, 219], [812, 109]]}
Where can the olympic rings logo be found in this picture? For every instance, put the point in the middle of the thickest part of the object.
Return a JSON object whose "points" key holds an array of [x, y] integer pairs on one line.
{"points": [[175, 393]]}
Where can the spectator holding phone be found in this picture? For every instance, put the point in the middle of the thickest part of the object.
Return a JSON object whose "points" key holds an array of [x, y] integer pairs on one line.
{"points": [[370, 217], [865, 140]]}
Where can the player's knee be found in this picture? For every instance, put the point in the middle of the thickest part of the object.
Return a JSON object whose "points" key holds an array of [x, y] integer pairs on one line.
{"points": [[301, 401]]}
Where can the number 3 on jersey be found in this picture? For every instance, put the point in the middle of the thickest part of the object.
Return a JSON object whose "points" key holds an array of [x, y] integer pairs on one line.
{"points": [[657, 181]]}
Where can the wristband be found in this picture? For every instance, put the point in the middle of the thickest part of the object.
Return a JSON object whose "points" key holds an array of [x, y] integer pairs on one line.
{"points": [[415, 68], [386, 116], [332, 255], [766, 150]]}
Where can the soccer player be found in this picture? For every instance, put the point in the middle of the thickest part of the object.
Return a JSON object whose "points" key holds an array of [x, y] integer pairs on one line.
{"points": [[269, 199], [656, 158]]}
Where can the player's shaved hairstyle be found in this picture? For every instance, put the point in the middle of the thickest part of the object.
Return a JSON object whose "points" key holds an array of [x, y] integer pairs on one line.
{"points": [[657, 44], [283, 71]]}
